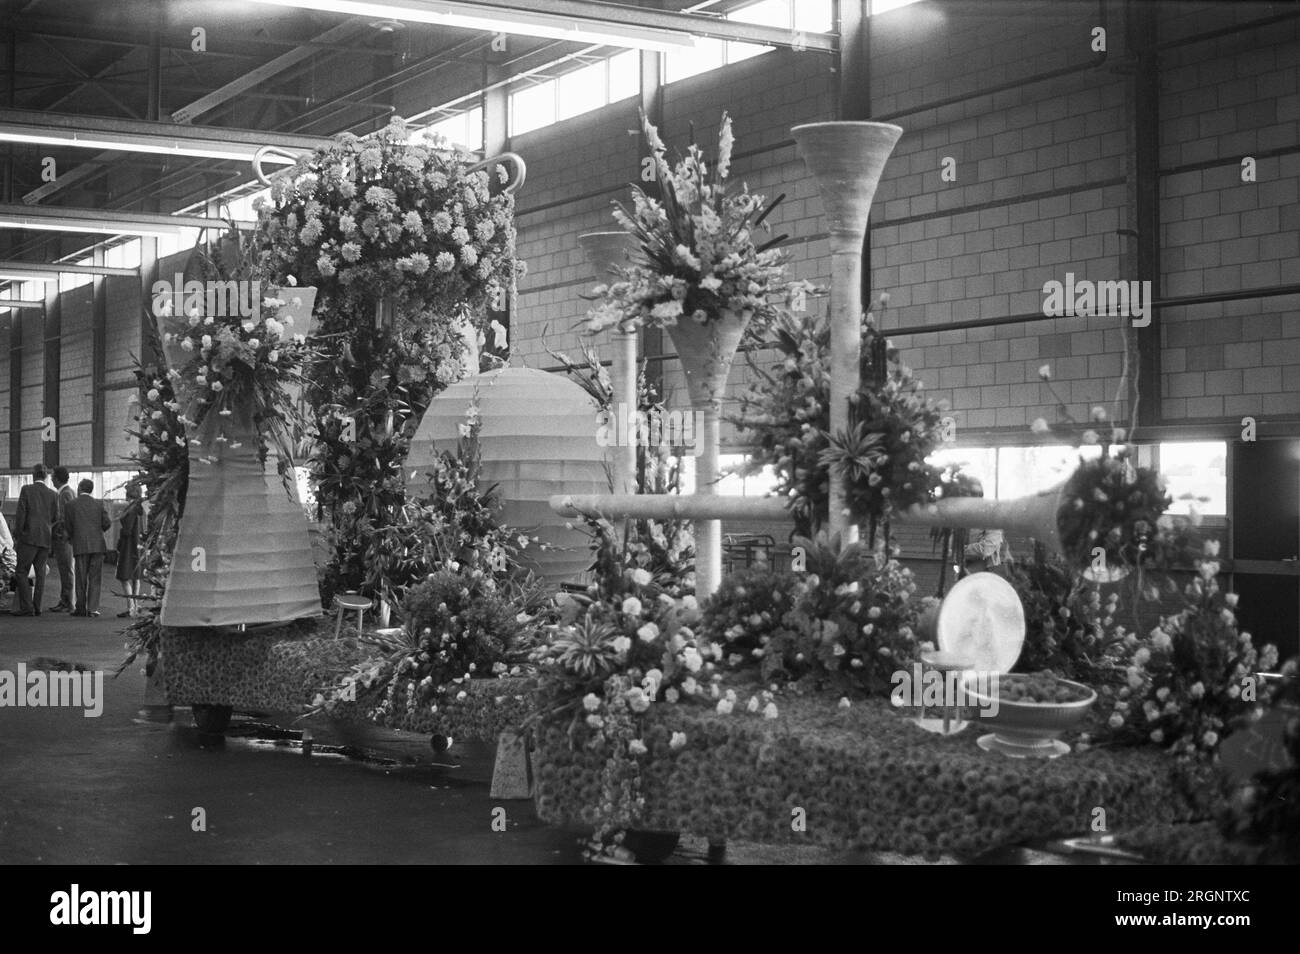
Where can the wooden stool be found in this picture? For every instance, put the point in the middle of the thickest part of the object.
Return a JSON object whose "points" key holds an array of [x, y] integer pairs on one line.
{"points": [[350, 601]]}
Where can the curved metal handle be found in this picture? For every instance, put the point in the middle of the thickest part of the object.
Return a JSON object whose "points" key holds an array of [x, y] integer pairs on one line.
{"points": [[505, 158], [293, 157]]}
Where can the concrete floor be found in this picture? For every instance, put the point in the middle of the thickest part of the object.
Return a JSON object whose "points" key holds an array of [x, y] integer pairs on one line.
{"points": [[121, 789]]}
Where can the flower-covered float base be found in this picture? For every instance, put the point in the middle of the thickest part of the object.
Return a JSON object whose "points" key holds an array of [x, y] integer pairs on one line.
{"points": [[860, 778], [284, 671]]}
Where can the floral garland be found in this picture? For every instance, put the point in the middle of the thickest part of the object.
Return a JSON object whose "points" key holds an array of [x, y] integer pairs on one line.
{"points": [[1194, 678], [881, 458], [700, 254], [162, 462]]}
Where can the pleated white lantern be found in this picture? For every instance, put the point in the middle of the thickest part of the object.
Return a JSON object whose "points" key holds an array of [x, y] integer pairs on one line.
{"points": [[538, 438]]}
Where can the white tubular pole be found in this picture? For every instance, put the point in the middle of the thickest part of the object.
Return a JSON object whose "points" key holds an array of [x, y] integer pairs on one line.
{"points": [[708, 530], [622, 378], [671, 507], [846, 351]]}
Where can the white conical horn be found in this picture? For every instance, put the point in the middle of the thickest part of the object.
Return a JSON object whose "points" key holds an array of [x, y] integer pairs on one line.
{"points": [[1033, 514]]}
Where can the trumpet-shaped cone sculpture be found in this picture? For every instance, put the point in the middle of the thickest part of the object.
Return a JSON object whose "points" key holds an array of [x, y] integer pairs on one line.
{"points": [[706, 352], [242, 553], [846, 158], [604, 250], [1033, 514]]}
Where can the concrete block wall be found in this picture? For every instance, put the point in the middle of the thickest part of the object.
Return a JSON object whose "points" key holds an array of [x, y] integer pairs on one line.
{"points": [[1039, 191], [1225, 99]]}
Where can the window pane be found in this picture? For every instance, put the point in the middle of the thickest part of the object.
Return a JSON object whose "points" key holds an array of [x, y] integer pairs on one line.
{"points": [[582, 90], [706, 55], [532, 107], [1197, 469], [978, 462], [624, 75], [774, 13], [815, 16], [1027, 470]]}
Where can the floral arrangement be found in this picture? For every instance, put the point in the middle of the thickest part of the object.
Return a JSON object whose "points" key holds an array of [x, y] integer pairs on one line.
{"points": [[846, 623], [881, 458], [1194, 678], [1069, 628], [1107, 502], [454, 522], [384, 219], [701, 255], [460, 624]]}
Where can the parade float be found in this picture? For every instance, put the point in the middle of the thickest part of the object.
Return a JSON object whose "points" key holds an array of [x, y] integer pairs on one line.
{"points": [[655, 696]]}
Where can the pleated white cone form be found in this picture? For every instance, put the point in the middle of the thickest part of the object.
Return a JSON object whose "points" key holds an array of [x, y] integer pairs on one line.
{"points": [[242, 552], [538, 438]]}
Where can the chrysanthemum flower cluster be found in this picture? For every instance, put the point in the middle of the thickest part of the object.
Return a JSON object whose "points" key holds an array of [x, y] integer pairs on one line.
{"points": [[848, 621], [384, 215]]}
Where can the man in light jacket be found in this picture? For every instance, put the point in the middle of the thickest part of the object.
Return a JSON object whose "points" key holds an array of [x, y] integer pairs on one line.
{"points": [[87, 522]]}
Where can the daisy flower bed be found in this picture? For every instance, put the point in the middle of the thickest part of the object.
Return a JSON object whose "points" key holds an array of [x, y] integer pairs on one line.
{"points": [[859, 777], [286, 669]]}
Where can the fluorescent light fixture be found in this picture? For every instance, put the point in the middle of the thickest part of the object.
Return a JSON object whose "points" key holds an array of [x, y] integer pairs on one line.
{"points": [[160, 145], [469, 16], [17, 275], [106, 225]]}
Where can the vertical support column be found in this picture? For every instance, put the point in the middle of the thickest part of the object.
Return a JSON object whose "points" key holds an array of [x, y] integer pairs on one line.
{"points": [[1143, 195], [496, 140], [98, 362], [652, 103], [52, 336], [16, 390], [854, 101]]}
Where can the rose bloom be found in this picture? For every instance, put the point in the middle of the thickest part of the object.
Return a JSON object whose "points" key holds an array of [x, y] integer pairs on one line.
{"points": [[770, 711], [636, 747], [591, 702], [648, 633], [641, 577], [631, 606], [621, 644], [725, 706], [677, 741], [637, 700]]}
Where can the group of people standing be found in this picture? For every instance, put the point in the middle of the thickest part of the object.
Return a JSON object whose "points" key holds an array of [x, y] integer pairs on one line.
{"points": [[71, 526]]}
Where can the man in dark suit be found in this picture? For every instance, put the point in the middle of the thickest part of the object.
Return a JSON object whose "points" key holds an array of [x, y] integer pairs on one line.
{"points": [[62, 544], [33, 528], [87, 523]]}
